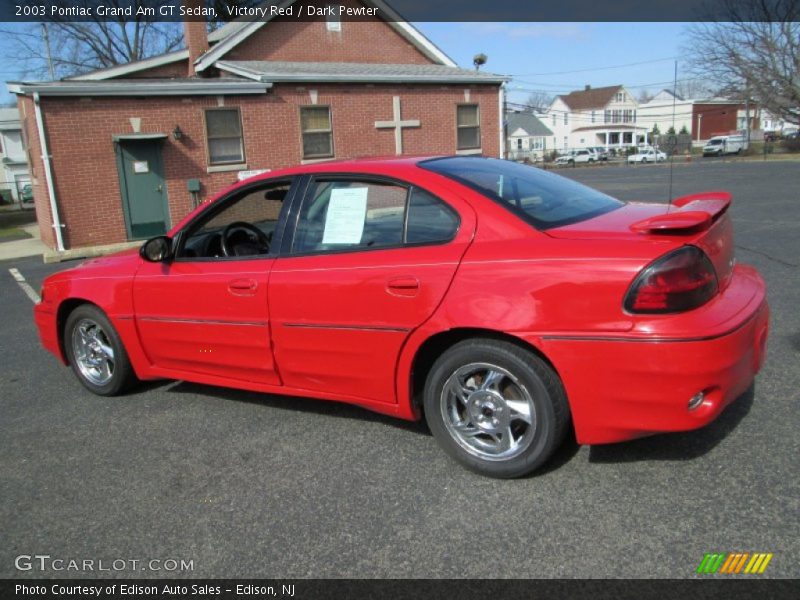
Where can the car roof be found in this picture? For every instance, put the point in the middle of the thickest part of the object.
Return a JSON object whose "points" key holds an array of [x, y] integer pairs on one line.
{"points": [[372, 164]]}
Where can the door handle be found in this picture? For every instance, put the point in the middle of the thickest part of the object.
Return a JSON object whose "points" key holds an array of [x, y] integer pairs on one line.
{"points": [[403, 286], [242, 287]]}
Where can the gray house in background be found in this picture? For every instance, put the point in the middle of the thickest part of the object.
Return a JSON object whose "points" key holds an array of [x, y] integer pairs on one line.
{"points": [[528, 137], [13, 159]]}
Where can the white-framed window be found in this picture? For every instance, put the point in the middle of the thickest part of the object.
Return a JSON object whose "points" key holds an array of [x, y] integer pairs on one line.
{"points": [[317, 131], [566, 118], [224, 136], [566, 142], [620, 96], [468, 127], [554, 118], [592, 116]]}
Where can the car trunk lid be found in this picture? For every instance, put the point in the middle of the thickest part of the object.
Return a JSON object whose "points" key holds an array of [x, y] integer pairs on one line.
{"points": [[698, 219]]}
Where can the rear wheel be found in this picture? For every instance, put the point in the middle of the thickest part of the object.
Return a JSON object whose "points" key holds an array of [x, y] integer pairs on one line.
{"points": [[96, 353], [496, 408]]}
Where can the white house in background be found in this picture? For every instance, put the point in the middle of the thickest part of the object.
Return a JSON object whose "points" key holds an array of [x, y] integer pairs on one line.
{"points": [[658, 112], [528, 137], [605, 116], [13, 161]]}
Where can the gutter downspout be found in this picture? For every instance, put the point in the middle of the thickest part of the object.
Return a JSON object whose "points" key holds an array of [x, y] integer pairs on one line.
{"points": [[48, 173]]}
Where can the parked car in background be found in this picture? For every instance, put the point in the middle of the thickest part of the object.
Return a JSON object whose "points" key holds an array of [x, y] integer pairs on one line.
{"points": [[26, 194], [647, 155], [576, 156], [504, 304], [724, 144], [600, 152]]}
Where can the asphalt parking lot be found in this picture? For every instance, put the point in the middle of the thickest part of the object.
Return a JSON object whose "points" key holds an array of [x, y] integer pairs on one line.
{"points": [[248, 485]]}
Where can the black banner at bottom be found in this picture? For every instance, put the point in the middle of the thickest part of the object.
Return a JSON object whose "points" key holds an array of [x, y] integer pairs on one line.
{"points": [[412, 589]]}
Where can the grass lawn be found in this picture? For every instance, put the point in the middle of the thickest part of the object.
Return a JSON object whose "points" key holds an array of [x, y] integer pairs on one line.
{"points": [[9, 234]]}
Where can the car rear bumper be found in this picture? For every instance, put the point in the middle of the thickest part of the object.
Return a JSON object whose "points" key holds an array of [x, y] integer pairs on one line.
{"points": [[624, 388]]}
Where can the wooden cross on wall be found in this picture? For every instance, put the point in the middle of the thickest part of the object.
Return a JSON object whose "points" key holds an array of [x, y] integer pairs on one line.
{"points": [[397, 124]]}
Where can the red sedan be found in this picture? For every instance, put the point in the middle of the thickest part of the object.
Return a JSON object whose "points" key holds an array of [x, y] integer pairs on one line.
{"points": [[504, 303]]}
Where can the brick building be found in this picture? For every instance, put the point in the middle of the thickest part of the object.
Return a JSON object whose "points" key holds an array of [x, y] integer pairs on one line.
{"points": [[134, 147]]}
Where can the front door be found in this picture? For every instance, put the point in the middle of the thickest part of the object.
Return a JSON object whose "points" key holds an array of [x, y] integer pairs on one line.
{"points": [[144, 194], [206, 311]]}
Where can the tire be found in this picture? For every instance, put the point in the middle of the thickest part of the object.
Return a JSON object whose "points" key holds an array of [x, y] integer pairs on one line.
{"points": [[497, 409], [95, 352], [644, 161]]}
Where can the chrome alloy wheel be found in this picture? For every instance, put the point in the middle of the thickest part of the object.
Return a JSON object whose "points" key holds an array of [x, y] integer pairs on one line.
{"points": [[488, 411], [93, 352]]}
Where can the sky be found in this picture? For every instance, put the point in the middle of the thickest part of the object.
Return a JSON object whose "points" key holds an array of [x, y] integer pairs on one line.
{"points": [[551, 57]]}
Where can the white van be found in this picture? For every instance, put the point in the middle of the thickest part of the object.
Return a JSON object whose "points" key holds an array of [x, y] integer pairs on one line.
{"points": [[725, 144]]}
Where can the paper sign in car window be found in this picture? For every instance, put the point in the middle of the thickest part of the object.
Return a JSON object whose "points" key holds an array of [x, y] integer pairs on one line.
{"points": [[347, 210]]}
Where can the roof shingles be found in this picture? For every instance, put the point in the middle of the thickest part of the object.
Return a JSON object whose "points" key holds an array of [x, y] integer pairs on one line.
{"points": [[590, 98]]}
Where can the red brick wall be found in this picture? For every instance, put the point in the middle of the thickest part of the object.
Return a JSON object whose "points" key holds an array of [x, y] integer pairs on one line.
{"points": [[371, 41], [41, 199], [717, 119], [177, 69], [87, 185]]}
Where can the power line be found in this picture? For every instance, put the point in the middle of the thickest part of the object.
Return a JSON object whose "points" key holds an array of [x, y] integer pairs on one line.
{"points": [[644, 62]]}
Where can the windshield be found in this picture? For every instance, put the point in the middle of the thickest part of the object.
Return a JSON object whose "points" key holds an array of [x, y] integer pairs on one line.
{"points": [[543, 199], [714, 142]]}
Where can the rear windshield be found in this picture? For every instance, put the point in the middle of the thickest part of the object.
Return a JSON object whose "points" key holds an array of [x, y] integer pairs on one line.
{"points": [[543, 199]]}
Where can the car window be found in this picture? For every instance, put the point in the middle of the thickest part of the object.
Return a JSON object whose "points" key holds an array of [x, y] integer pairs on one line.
{"points": [[543, 199], [248, 221], [341, 215], [429, 219]]}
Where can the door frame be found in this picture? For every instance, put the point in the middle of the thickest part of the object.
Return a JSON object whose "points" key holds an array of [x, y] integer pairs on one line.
{"points": [[157, 144]]}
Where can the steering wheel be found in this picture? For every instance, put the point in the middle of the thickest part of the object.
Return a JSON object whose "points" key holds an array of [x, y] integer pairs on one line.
{"points": [[261, 240]]}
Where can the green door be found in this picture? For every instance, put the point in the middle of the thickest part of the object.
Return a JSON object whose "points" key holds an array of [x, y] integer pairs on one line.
{"points": [[144, 193]]}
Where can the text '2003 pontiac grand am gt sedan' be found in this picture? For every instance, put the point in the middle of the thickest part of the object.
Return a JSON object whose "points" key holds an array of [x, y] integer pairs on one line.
{"points": [[504, 304]]}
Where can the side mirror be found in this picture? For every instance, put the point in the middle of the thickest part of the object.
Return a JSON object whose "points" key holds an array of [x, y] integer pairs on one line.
{"points": [[156, 249]]}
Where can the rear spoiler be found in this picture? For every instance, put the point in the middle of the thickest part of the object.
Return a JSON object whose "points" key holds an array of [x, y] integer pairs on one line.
{"points": [[696, 212]]}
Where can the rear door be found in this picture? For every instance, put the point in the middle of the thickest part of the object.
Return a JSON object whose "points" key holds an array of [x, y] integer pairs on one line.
{"points": [[368, 261]]}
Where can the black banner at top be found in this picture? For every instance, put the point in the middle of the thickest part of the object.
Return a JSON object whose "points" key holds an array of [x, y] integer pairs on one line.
{"points": [[401, 10]]}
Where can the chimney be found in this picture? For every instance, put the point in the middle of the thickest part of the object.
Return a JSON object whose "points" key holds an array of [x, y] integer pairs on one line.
{"points": [[587, 87], [194, 33]]}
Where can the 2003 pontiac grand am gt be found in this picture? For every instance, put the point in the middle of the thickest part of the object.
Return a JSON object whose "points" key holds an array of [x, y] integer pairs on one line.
{"points": [[503, 303]]}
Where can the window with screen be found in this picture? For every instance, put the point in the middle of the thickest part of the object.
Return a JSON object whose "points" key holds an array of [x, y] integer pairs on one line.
{"points": [[317, 131], [224, 134], [469, 127]]}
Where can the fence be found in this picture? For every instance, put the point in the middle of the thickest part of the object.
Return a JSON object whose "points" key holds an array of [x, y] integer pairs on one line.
{"points": [[16, 195]]}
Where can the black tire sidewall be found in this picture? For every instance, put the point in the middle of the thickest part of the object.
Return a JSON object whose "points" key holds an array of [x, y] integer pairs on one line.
{"points": [[122, 369], [527, 368]]}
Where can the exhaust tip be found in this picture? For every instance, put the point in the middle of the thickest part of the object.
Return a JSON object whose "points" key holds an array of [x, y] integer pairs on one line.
{"points": [[696, 401]]}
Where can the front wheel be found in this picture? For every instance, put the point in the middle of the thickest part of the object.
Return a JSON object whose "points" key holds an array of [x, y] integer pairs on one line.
{"points": [[496, 408], [96, 353]]}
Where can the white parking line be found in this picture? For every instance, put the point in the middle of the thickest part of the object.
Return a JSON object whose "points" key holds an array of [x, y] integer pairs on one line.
{"points": [[29, 291]]}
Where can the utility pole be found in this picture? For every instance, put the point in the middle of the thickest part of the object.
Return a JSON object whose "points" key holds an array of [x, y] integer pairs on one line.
{"points": [[49, 54]]}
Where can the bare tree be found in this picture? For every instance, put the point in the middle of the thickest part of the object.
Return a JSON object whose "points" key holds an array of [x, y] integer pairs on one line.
{"points": [[539, 100], [693, 88], [81, 46], [644, 96], [753, 54]]}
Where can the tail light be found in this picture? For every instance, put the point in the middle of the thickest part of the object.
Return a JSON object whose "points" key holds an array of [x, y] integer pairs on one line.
{"points": [[679, 281]]}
